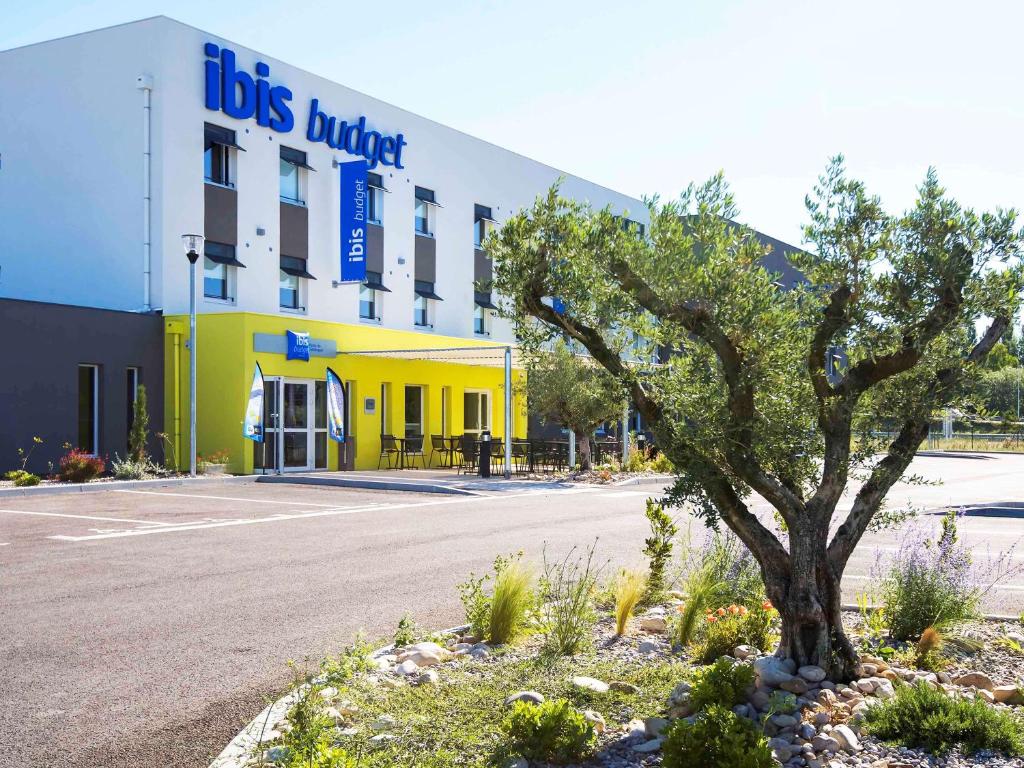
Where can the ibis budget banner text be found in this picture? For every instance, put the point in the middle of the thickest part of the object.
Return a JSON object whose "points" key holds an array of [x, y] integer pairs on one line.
{"points": [[353, 221]]}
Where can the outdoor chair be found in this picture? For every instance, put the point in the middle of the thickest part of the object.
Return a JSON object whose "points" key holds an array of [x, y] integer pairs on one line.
{"points": [[439, 445], [497, 454], [520, 457], [413, 448], [388, 448], [469, 454]]}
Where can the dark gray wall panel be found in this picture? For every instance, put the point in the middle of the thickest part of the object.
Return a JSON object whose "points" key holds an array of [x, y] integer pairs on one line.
{"points": [[426, 259], [221, 220], [42, 345], [294, 230], [375, 248], [482, 267]]}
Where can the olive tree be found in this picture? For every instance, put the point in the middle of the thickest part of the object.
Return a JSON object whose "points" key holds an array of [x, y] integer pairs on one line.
{"points": [[571, 389], [747, 404]]}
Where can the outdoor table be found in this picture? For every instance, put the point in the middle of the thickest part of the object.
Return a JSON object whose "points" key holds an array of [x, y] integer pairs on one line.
{"points": [[452, 443]]}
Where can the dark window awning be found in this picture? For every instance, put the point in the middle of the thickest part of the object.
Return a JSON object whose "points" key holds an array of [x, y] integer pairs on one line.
{"points": [[221, 253], [296, 157], [219, 135], [376, 285], [295, 267], [428, 293], [484, 300]]}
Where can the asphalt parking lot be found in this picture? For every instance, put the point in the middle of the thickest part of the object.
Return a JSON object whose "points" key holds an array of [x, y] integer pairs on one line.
{"points": [[144, 627]]}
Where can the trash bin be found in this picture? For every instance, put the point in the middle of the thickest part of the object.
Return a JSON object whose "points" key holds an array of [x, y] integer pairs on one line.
{"points": [[484, 459]]}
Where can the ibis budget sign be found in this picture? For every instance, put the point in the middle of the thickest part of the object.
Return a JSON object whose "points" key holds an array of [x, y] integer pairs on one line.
{"points": [[242, 96]]}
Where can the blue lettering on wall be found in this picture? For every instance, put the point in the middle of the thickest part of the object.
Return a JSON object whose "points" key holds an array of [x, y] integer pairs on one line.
{"points": [[238, 94]]}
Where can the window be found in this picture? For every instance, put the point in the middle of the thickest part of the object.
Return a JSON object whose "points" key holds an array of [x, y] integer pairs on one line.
{"points": [[292, 282], [375, 199], [482, 222], [628, 225], [477, 412], [292, 166], [480, 324], [218, 146], [425, 203], [369, 301], [421, 305], [413, 411], [131, 395], [88, 408], [219, 263]]}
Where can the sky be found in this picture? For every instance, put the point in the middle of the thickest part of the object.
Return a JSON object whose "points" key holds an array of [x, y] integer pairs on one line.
{"points": [[646, 96]]}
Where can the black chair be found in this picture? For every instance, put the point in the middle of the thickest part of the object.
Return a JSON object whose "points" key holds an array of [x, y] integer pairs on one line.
{"points": [[388, 448], [438, 444], [469, 454], [520, 457], [497, 454], [413, 447]]}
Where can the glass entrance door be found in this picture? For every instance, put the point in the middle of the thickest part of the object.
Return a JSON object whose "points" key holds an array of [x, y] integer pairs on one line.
{"points": [[295, 424], [295, 419]]}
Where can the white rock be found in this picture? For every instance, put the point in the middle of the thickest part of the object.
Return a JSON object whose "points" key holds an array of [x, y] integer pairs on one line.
{"points": [[407, 667], [771, 670], [975, 680], [742, 652], [348, 731], [884, 689], [382, 738], [590, 684], [847, 738], [383, 723], [812, 673], [647, 646], [653, 624], [636, 729], [653, 726], [648, 746], [430, 677], [329, 693], [596, 719], [825, 743], [530, 697]]}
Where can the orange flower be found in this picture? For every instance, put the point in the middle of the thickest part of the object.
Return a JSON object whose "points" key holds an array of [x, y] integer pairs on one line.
{"points": [[720, 611], [711, 619], [681, 607], [743, 610], [767, 605], [734, 609]]}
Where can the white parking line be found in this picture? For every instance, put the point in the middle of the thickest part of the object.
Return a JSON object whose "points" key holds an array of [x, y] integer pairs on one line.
{"points": [[172, 495], [624, 494], [84, 517]]}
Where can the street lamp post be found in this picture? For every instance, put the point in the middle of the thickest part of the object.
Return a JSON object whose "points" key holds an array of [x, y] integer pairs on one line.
{"points": [[193, 245]]}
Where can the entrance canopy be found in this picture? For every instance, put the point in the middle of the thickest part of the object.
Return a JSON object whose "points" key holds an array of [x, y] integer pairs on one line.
{"points": [[489, 356]]}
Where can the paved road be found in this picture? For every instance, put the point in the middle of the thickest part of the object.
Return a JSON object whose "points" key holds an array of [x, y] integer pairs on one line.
{"points": [[143, 629]]}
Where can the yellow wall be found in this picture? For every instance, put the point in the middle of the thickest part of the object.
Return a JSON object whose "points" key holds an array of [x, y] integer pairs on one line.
{"points": [[225, 366]]}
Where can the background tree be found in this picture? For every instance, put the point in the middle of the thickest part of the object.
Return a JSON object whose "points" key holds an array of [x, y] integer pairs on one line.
{"points": [[139, 433], [998, 390], [745, 405], [572, 390]]}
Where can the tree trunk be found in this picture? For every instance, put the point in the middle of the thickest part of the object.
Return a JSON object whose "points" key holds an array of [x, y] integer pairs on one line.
{"points": [[583, 448], [808, 597]]}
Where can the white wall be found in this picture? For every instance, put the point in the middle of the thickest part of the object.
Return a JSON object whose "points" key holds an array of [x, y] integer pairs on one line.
{"points": [[460, 169]]}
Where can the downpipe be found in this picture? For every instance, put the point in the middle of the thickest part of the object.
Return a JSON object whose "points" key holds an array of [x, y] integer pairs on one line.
{"points": [[145, 84]]}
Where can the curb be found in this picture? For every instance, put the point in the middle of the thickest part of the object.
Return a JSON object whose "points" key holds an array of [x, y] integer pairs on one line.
{"points": [[660, 480], [376, 485], [242, 750], [119, 485]]}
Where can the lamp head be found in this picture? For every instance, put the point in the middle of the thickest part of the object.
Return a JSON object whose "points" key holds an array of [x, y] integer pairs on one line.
{"points": [[193, 245]]}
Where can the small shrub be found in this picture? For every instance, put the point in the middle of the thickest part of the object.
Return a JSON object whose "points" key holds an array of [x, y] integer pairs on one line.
{"points": [[630, 587], [920, 716], [22, 479], [512, 599], [734, 625], [553, 731], [782, 702], [718, 737], [724, 683], [139, 433], [77, 466], [353, 659], [567, 594], [407, 631], [475, 600], [130, 469], [662, 465], [310, 739], [24, 455], [658, 548], [928, 652]]}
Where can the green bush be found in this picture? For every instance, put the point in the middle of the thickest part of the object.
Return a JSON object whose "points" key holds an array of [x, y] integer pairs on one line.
{"points": [[553, 731], [724, 683], [658, 548], [513, 598], [139, 432], [719, 738], [923, 717], [77, 466], [407, 632], [475, 600], [662, 465], [23, 479], [734, 625], [567, 592]]}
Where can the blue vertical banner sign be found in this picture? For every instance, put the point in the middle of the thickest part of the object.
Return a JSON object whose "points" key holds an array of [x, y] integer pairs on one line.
{"points": [[353, 221], [252, 429], [335, 407]]}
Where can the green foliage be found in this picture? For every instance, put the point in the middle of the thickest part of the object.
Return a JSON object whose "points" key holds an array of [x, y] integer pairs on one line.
{"points": [[567, 591], [24, 455], [77, 466], [630, 587], [923, 717], [661, 464], [723, 683], [566, 388], [130, 469], [734, 625], [782, 702], [718, 737], [475, 599], [407, 632], [658, 549], [353, 659], [553, 731], [997, 390], [139, 433], [512, 600], [22, 479]]}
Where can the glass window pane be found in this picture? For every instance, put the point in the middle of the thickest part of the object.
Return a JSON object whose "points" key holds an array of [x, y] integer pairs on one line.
{"points": [[413, 411], [215, 279], [320, 443], [87, 408], [296, 406], [421, 217], [289, 290], [321, 404], [367, 302], [471, 405], [289, 180], [296, 449]]}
